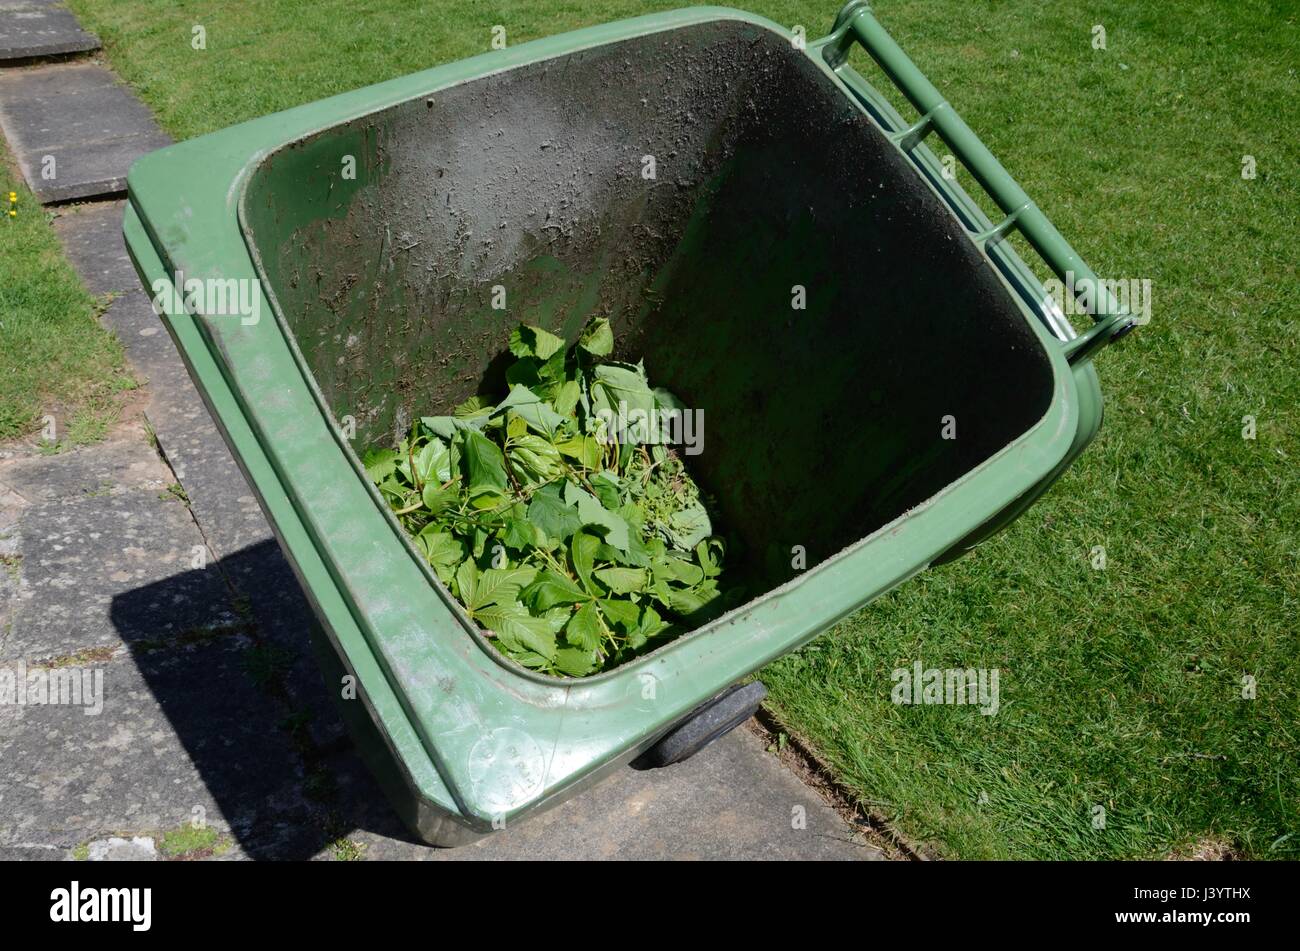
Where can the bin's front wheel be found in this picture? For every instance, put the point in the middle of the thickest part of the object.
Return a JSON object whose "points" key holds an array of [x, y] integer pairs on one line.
{"points": [[705, 724]]}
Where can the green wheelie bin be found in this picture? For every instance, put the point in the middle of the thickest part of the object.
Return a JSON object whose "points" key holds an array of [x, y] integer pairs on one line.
{"points": [[691, 175]]}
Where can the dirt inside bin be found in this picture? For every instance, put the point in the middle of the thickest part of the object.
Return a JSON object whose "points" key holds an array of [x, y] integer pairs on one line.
{"points": [[752, 236]]}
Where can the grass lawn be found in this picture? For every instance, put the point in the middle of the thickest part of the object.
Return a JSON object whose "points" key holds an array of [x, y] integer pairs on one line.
{"points": [[55, 358], [1122, 687]]}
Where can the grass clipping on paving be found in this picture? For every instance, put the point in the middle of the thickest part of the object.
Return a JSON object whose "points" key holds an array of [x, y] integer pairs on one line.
{"points": [[573, 551]]}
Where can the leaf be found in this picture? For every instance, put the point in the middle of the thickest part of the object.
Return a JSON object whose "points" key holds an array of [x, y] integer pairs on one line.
{"points": [[649, 624], [474, 406], [433, 462], [666, 399], [552, 515], [586, 449], [522, 535], [393, 490], [442, 550], [498, 586], [622, 580], [466, 581], [566, 396], [593, 513], [597, 339], [525, 373], [446, 427], [605, 485], [670, 568], [582, 551], [437, 499], [709, 553], [638, 553], [516, 426], [692, 601], [527, 658], [689, 526], [529, 341], [485, 466], [620, 386], [380, 463], [575, 662], [550, 373], [636, 556], [622, 613], [443, 427], [550, 589], [584, 629], [512, 624], [488, 498], [538, 460], [532, 409]]}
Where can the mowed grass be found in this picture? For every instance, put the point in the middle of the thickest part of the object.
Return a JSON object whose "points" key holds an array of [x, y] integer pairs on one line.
{"points": [[55, 358], [1121, 688]]}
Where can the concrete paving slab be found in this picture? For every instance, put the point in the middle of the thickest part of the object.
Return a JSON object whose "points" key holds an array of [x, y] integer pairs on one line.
{"points": [[284, 619], [123, 462], [92, 237], [222, 501], [732, 801], [34, 28], [74, 130], [78, 554], [183, 733]]}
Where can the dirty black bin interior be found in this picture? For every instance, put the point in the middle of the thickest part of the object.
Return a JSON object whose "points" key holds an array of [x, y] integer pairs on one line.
{"points": [[821, 424]]}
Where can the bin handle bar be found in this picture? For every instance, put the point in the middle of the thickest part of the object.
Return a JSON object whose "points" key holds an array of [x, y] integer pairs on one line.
{"points": [[856, 22]]}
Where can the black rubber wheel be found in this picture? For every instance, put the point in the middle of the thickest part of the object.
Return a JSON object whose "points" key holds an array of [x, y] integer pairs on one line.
{"points": [[705, 724]]}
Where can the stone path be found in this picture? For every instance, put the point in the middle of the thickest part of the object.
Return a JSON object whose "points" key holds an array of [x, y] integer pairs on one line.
{"points": [[146, 562], [38, 28], [74, 129]]}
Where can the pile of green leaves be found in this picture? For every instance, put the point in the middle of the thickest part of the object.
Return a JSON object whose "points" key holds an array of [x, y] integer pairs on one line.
{"points": [[572, 552]]}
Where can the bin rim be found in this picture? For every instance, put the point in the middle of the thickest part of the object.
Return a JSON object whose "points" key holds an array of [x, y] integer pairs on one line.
{"points": [[188, 201]]}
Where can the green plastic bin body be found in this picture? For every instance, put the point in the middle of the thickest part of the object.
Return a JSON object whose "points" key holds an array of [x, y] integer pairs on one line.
{"points": [[684, 173]]}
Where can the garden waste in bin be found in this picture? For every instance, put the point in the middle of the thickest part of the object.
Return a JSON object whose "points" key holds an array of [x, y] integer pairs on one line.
{"points": [[695, 176]]}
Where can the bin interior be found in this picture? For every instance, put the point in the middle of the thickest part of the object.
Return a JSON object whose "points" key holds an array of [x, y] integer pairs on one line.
{"points": [[820, 424]]}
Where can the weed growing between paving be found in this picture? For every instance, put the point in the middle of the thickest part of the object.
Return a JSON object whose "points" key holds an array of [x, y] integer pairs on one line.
{"points": [[573, 547]]}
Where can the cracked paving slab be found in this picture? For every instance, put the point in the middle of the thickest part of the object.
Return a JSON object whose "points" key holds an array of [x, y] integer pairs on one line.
{"points": [[100, 554], [221, 498], [98, 583]]}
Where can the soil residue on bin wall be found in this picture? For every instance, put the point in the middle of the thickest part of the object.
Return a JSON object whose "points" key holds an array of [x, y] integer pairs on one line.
{"points": [[821, 423], [533, 180]]}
